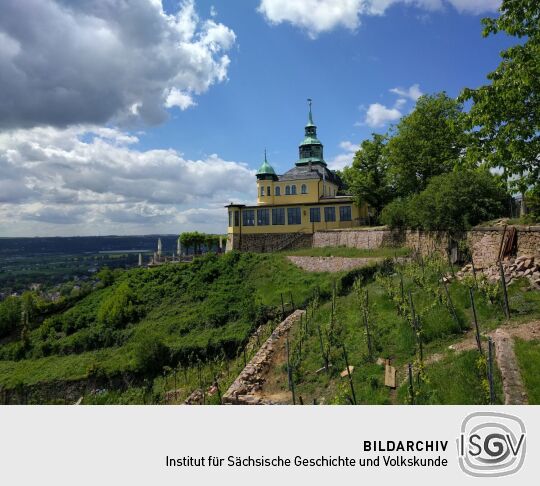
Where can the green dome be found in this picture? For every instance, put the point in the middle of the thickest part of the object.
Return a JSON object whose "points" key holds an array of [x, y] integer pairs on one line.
{"points": [[266, 168]]}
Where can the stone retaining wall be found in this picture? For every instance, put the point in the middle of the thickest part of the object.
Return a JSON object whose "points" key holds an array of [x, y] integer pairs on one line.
{"points": [[369, 239], [485, 243], [269, 242], [250, 380], [362, 238]]}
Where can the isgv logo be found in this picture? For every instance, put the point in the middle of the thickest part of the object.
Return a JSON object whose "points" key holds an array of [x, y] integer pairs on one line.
{"points": [[491, 444]]}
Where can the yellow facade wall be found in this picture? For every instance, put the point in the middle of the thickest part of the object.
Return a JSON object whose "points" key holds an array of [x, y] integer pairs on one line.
{"points": [[314, 190], [306, 226]]}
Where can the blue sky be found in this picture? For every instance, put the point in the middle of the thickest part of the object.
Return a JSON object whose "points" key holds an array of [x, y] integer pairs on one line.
{"points": [[274, 68], [161, 113]]}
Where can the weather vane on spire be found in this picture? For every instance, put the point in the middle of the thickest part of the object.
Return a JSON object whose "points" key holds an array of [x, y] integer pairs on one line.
{"points": [[310, 116]]}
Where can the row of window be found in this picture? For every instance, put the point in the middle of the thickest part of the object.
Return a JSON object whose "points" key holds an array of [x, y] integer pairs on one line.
{"points": [[289, 190], [294, 216]]}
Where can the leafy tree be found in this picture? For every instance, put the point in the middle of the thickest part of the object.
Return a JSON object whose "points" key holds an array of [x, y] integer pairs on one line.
{"points": [[106, 276], [505, 115], [533, 203], [151, 354], [396, 214], [195, 240], [119, 308], [428, 142], [367, 178], [10, 315], [452, 202]]}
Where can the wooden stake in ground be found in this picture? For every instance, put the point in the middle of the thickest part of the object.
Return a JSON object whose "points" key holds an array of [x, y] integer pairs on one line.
{"points": [[282, 308], [490, 372], [451, 304], [477, 329], [325, 358], [402, 291], [505, 293], [366, 325], [349, 374], [474, 272], [289, 373], [411, 384], [216, 384]]}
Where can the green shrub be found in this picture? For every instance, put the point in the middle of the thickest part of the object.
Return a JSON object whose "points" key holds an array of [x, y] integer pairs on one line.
{"points": [[395, 214], [10, 315], [119, 308], [151, 355], [451, 202]]}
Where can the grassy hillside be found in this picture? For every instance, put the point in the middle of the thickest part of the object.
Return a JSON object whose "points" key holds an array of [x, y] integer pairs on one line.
{"points": [[443, 376], [183, 327], [172, 315]]}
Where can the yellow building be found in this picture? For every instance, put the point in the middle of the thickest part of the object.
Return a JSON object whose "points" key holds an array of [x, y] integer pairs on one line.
{"points": [[305, 199]]}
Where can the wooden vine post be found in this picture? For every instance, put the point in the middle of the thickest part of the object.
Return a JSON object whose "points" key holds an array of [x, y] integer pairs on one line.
{"points": [[325, 358], [477, 329], [451, 304], [490, 372], [289, 373], [411, 384], [366, 325], [349, 374], [505, 292]]}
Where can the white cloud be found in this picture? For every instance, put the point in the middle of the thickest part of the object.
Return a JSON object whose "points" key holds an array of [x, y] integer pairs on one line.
{"points": [[88, 180], [413, 93], [476, 6], [317, 16], [378, 115], [64, 63], [345, 158], [179, 99]]}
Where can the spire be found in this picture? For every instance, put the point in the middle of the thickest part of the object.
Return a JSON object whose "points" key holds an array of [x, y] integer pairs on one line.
{"points": [[311, 149], [310, 116], [266, 170]]}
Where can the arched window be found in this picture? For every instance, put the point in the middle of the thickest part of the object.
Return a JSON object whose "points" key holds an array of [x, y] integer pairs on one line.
{"points": [[278, 191], [293, 189], [287, 190], [262, 191], [304, 189]]}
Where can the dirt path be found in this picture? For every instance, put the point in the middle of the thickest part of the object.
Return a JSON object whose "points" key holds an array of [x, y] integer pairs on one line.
{"points": [[331, 264], [514, 391]]}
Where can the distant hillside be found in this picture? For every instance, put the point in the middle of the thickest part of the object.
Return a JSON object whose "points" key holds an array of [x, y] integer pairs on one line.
{"points": [[84, 244]]}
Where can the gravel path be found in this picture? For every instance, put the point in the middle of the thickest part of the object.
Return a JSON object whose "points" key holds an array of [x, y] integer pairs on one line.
{"points": [[514, 391], [330, 264]]}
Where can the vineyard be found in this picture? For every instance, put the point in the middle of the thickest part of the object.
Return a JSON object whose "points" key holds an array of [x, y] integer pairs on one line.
{"points": [[184, 333], [406, 315]]}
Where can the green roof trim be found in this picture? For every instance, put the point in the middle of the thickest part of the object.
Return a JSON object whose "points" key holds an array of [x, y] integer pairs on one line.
{"points": [[311, 141]]}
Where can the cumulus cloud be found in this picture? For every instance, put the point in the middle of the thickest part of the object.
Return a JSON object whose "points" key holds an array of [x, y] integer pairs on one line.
{"points": [[84, 179], [378, 115], [344, 158], [413, 93], [317, 16], [64, 62]]}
